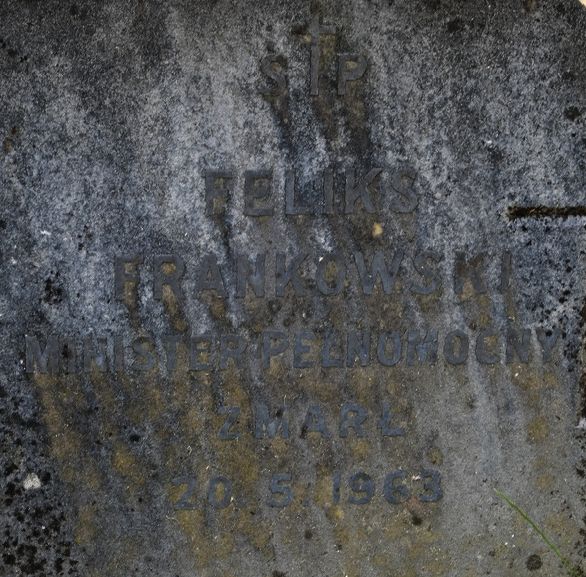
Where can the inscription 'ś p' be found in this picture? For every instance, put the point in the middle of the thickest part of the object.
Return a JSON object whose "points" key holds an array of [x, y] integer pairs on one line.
{"points": [[351, 66]]}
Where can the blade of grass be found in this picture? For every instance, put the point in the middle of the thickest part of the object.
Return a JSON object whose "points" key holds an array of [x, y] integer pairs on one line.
{"points": [[565, 562]]}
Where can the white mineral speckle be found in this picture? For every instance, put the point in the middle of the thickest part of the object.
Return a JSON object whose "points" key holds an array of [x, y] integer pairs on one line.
{"points": [[32, 481]]}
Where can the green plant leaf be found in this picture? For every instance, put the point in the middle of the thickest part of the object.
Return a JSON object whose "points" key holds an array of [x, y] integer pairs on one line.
{"points": [[572, 570]]}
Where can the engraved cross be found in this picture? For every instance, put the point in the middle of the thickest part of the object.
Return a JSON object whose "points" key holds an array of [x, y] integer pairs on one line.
{"points": [[315, 31]]}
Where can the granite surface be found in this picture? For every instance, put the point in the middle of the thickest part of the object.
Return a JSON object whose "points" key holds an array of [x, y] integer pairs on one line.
{"points": [[413, 343]]}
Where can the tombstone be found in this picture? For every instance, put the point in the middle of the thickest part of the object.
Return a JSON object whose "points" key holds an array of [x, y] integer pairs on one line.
{"points": [[292, 289]]}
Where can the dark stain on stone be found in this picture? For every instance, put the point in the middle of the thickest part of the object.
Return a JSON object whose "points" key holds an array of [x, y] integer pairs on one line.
{"points": [[495, 153], [540, 211], [534, 562], [278, 96], [572, 113], [10, 51], [53, 292], [8, 144], [416, 519], [582, 411], [454, 26], [432, 4]]}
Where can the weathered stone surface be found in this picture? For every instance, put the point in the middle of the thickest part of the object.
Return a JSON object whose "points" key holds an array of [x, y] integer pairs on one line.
{"points": [[111, 115]]}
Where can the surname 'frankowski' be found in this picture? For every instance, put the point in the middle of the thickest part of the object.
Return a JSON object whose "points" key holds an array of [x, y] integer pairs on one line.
{"points": [[329, 274]]}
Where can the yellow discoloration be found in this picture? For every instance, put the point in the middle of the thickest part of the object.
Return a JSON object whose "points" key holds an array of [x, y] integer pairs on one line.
{"points": [[173, 308], [236, 459], [276, 370], [562, 528], [331, 273], [215, 303], [537, 430], [323, 488], [61, 400], [127, 464], [435, 456], [85, 531], [65, 444], [545, 482], [377, 230], [130, 297], [168, 268], [533, 380], [181, 413], [484, 314], [360, 449], [364, 383]]}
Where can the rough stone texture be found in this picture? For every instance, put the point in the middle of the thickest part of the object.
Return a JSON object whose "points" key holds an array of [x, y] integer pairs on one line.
{"points": [[111, 111]]}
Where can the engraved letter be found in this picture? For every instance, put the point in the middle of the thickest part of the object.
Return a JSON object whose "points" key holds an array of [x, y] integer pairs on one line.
{"points": [[422, 265], [145, 360], [547, 339], [232, 414], [385, 421], [301, 349], [402, 183], [125, 271], [506, 270], [209, 277], [469, 269], [290, 207], [350, 67], [422, 349], [381, 350], [256, 279], [168, 271], [170, 343], [257, 186], [200, 351], [358, 345], [278, 488], [315, 422], [460, 356], [322, 270], [272, 65], [42, 361], [352, 416], [379, 269], [231, 347], [518, 346], [264, 426], [219, 185], [356, 190], [288, 274], [483, 355], [269, 349], [94, 356]]}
